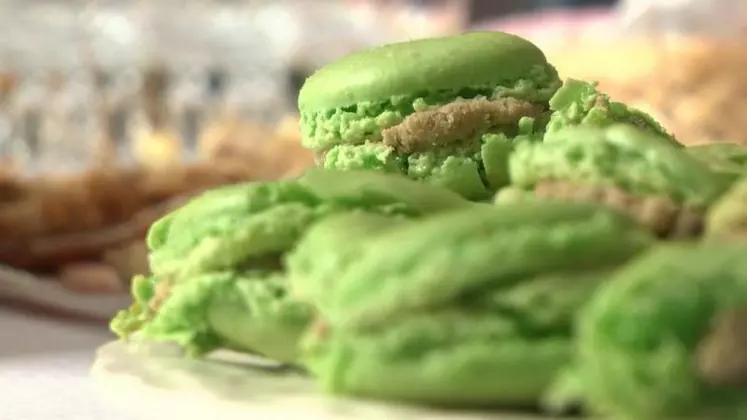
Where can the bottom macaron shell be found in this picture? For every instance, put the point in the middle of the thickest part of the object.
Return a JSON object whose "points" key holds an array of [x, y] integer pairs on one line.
{"points": [[258, 316], [641, 337], [450, 358], [245, 311]]}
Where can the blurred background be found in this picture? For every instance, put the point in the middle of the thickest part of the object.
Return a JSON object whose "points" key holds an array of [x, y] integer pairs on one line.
{"points": [[114, 111]]}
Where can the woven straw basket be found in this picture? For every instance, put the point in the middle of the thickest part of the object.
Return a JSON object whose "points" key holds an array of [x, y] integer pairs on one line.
{"points": [[696, 88]]}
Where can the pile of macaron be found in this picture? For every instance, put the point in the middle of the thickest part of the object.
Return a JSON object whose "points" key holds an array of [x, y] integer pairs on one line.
{"points": [[477, 234]]}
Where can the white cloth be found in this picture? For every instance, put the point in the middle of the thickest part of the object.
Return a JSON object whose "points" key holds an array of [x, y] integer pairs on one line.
{"points": [[44, 367]]}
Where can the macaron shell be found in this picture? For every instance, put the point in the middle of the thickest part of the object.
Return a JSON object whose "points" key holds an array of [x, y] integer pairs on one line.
{"points": [[457, 172], [375, 189], [448, 358], [548, 302], [215, 211], [330, 245], [474, 60], [618, 155], [728, 158], [240, 238], [258, 315], [182, 317], [370, 156], [130, 320], [436, 260], [580, 103], [494, 153], [249, 312], [228, 227], [637, 338]]}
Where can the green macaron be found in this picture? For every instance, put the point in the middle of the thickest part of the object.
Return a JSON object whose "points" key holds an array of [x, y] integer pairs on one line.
{"points": [[619, 155], [581, 103], [424, 107], [231, 225], [665, 338], [218, 272], [469, 308]]}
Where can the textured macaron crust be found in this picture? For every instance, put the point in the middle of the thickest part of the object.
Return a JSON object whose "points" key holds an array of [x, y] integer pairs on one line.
{"points": [[471, 308], [228, 227], [580, 103], [619, 155], [248, 311], [218, 272], [499, 350], [665, 338], [429, 108], [450, 357], [491, 62], [338, 239], [435, 260]]}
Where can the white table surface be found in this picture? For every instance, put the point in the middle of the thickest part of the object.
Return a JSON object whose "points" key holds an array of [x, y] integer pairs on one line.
{"points": [[44, 365]]}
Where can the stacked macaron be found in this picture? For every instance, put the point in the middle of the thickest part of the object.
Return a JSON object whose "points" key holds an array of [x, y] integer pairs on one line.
{"points": [[386, 277], [218, 271], [470, 308], [660, 184], [442, 110]]}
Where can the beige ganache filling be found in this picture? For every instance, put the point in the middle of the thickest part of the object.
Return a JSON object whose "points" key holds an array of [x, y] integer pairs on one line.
{"points": [[456, 121], [721, 357], [161, 292], [664, 217]]}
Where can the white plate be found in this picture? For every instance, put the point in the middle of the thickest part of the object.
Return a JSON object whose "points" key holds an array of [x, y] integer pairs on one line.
{"points": [[152, 381]]}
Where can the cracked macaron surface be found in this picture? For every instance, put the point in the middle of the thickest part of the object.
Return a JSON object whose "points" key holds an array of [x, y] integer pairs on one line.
{"points": [[469, 308], [425, 108], [218, 276]]}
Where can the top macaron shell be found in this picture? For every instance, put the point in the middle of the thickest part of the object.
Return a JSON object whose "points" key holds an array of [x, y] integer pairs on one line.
{"points": [[473, 60], [228, 226]]}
